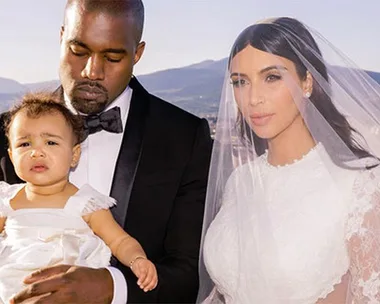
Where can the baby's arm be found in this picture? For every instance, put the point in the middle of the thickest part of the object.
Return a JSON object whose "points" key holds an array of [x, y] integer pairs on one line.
{"points": [[124, 247], [2, 223]]}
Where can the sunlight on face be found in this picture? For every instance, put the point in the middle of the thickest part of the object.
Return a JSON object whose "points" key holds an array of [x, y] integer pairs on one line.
{"points": [[41, 149], [267, 90]]}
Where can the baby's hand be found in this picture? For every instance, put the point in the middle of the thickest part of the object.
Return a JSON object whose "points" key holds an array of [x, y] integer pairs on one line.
{"points": [[146, 273]]}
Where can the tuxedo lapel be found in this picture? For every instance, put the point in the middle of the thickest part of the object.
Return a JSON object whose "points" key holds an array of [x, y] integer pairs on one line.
{"points": [[130, 151]]}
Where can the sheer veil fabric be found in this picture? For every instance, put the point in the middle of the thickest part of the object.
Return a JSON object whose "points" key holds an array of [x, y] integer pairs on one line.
{"points": [[293, 203]]}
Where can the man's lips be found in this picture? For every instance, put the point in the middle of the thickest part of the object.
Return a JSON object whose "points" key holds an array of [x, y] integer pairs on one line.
{"points": [[89, 92]]}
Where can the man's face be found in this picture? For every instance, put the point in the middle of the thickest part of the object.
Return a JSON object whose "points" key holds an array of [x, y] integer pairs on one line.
{"points": [[98, 52]]}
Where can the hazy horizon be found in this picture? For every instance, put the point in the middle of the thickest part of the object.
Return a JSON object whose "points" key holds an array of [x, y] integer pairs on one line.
{"points": [[181, 33]]}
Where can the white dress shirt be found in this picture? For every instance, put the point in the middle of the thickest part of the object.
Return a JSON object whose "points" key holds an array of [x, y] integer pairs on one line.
{"points": [[96, 167]]}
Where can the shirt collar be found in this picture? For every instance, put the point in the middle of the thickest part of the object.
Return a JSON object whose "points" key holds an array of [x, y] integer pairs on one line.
{"points": [[123, 101]]}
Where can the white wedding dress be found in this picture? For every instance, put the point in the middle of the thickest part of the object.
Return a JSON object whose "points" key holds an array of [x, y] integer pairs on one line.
{"points": [[41, 237], [323, 245]]}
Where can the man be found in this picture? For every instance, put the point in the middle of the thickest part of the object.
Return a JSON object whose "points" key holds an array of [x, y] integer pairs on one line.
{"points": [[155, 163]]}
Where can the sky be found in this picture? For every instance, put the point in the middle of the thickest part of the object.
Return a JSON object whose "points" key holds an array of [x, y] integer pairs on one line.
{"points": [[182, 32]]}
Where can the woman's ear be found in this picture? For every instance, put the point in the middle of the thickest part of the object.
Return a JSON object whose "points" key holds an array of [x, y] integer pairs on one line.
{"points": [[76, 155], [308, 85]]}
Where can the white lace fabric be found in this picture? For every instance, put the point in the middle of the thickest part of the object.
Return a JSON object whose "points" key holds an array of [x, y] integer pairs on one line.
{"points": [[319, 235], [363, 239]]}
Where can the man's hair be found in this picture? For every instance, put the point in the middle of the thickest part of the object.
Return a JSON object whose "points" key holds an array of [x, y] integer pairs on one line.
{"points": [[39, 104], [133, 9]]}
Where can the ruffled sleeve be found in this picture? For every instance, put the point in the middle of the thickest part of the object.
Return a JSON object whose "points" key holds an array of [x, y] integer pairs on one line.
{"points": [[363, 238], [7, 192], [92, 200], [4, 209]]}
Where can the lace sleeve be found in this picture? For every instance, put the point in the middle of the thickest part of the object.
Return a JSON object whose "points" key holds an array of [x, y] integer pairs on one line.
{"points": [[94, 200], [7, 192], [4, 208], [364, 239]]}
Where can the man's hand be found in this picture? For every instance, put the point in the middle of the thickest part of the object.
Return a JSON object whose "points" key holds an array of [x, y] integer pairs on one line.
{"points": [[67, 284]]}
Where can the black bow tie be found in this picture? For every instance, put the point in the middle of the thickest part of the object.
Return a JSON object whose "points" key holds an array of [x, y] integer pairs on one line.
{"points": [[109, 121]]}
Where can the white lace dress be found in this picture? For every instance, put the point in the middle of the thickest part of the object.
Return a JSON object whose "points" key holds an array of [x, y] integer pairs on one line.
{"points": [[40, 237], [323, 246]]}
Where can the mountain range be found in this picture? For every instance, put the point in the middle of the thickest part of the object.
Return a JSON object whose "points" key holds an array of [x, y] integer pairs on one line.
{"points": [[195, 88]]}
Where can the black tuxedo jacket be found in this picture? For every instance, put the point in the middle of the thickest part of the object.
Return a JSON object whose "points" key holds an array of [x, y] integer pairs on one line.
{"points": [[160, 185]]}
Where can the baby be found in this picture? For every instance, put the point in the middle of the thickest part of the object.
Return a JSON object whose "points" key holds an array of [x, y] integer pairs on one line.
{"points": [[47, 220]]}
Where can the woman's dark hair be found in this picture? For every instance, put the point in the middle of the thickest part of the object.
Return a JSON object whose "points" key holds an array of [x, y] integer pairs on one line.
{"points": [[278, 38], [43, 103]]}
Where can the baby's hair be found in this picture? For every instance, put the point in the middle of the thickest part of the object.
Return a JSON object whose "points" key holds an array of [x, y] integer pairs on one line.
{"points": [[39, 104]]}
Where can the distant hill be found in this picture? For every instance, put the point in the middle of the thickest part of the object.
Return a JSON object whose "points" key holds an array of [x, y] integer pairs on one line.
{"points": [[375, 76], [9, 86], [47, 85], [195, 88]]}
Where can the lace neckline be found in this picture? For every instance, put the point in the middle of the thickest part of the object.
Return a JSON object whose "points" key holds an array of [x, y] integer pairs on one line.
{"points": [[309, 154]]}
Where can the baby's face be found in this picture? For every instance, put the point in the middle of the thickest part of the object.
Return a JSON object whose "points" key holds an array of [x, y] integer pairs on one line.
{"points": [[42, 149]]}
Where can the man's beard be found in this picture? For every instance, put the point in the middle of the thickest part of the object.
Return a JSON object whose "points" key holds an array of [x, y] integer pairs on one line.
{"points": [[89, 97]]}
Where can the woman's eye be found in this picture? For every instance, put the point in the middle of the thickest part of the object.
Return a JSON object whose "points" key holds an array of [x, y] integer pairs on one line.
{"points": [[239, 82], [272, 78]]}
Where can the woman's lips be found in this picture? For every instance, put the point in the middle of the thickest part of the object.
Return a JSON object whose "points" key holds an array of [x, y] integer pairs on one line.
{"points": [[260, 119]]}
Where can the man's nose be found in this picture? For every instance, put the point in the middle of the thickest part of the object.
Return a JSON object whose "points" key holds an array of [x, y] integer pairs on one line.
{"points": [[94, 69]]}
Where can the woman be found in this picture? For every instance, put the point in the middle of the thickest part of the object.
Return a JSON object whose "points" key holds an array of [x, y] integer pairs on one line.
{"points": [[293, 205]]}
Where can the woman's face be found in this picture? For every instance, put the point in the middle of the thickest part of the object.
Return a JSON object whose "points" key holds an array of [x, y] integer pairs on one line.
{"points": [[267, 90]]}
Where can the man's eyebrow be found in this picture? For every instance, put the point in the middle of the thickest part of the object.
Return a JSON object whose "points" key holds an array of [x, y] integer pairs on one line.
{"points": [[108, 50], [79, 43], [111, 50]]}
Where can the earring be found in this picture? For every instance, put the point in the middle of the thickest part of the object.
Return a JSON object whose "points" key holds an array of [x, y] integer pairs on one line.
{"points": [[307, 94]]}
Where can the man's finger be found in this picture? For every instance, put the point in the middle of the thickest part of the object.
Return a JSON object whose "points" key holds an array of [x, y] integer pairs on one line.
{"points": [[50, 285], [45, 273]]}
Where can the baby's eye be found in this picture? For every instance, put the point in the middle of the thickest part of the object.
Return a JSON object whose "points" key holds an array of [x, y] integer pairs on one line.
{"points": [[24, 144], [52, 143]]}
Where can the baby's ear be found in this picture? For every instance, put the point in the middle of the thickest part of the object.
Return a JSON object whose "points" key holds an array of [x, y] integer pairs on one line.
{"points": [[76, 155], [10, 154]]}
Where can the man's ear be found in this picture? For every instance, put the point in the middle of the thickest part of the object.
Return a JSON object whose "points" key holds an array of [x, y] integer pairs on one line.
{"points": [[61, 34], [76, 155], [139, 52]]}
